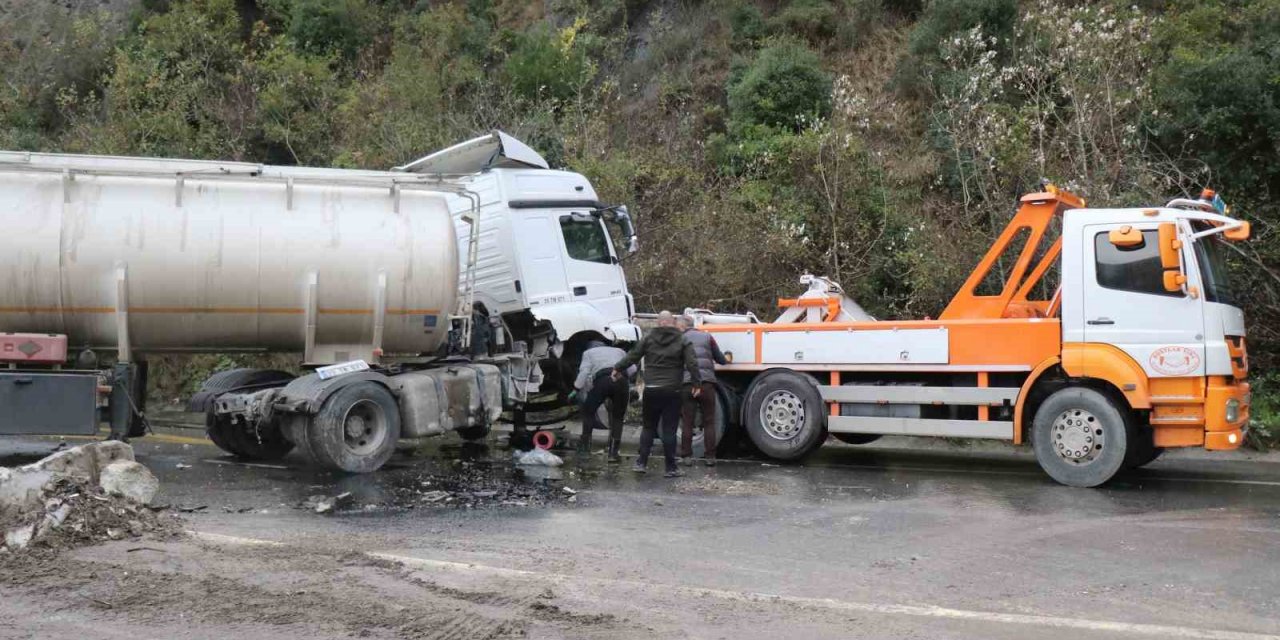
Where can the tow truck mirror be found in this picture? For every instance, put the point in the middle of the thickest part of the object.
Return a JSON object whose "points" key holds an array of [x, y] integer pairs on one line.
{"points": [[1239, 233], [1173, 280], [1169, 246], [1125, 237]]}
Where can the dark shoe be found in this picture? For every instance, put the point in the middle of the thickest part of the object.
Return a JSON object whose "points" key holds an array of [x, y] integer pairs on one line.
{"points": [[710, 462], [673, 473], [639, 467], [614, 457]]}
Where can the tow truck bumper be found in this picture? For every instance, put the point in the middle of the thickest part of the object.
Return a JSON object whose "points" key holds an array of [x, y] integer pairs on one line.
{"points": [[1226, 413]]}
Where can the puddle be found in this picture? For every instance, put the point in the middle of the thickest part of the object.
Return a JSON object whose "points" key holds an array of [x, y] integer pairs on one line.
{"points": [[467, 476]]}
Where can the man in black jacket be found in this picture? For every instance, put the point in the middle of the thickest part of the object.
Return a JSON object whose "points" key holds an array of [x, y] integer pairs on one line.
{"points": [[666, 358]]}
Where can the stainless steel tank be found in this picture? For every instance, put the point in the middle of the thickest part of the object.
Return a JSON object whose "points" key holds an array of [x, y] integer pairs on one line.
{"points": [[173, 255]]}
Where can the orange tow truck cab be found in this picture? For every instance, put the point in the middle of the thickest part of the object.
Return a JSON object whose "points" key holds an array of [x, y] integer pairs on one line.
{"points": [[1100, 337]]}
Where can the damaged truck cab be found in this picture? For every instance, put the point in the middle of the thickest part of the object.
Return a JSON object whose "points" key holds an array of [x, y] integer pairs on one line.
{"points": [[420, 301]]}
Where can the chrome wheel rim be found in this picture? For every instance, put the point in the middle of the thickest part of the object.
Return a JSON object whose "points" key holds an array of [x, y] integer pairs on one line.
{"points": [[782, 415], [1078, 436]]}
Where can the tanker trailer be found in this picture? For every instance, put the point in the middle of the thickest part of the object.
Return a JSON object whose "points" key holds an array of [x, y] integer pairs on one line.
{"points": [[357, 271]]}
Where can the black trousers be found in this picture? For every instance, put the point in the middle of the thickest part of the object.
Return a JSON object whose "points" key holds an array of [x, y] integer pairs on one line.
{"points": [[661, 410], [605, 389]]}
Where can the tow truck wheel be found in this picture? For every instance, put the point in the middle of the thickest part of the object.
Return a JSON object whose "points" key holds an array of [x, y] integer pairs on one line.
{"points": [[356, 428], [785, 415], [1080, 437]]}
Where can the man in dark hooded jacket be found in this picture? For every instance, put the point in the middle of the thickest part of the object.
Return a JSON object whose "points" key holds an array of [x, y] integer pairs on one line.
{"points": [[666, 358]]}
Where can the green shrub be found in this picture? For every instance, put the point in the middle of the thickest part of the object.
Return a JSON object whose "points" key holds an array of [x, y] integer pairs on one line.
{"points": [[784, 87], [324, 27], [546, 65], [813, 20], [1264, 417], [747, 23]]}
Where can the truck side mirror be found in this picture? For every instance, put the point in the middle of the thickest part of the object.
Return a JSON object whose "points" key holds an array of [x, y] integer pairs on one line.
{"points": [[1125, 237], [1239, 233], [1170, 260], [1173, 280], [1169, 246]]}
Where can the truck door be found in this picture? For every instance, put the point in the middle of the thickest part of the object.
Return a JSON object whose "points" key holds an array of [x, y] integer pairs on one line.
{"points": [[592, 268], [1126, 305], [537, 237]]}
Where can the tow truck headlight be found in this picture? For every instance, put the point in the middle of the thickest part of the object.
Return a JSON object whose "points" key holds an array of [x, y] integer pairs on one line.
{"points": [[1233, 410]]}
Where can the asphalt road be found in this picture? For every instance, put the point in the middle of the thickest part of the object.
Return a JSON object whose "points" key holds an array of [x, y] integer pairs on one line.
{"points": [[858, 542]]}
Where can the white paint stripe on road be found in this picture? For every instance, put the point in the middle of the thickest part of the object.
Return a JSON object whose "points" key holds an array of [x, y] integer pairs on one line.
{"points": [[237, 463], [921, 611], [218, 538]]}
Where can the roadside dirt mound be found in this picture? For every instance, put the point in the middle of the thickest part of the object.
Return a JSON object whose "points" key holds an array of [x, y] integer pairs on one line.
{"points": [[77, 513]]}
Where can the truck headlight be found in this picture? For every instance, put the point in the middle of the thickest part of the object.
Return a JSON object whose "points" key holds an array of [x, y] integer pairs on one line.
{"points": [[1233, 410]]}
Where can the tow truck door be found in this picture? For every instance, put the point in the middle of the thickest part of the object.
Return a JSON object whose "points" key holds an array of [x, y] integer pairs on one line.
{"points": [[1126, 305]]}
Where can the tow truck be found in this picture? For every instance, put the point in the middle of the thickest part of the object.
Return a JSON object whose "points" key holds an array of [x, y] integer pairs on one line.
{"points": [[1101, 337]]}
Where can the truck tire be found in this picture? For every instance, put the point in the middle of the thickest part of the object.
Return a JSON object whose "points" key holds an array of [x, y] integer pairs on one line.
{"points": [[478, 432], [219, 431], [266, 442], [785, 416], [1080, 437], [356, 428], [241, 440], [856, 438], [725, 440]]}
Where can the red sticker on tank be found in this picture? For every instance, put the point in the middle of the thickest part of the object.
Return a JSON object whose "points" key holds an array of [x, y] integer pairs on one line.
{"points": [[1175, 361]]}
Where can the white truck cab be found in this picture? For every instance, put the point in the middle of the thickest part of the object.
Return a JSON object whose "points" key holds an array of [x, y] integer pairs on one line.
{"points": [[546, 262], [1185, 324]]}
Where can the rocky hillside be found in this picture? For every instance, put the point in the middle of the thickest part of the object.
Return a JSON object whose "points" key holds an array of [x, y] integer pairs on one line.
{"points": [[881, 143]]}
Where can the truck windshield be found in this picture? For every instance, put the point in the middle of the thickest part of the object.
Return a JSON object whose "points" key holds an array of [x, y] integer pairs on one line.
{"points": [[585, 239], [1213, 268]]}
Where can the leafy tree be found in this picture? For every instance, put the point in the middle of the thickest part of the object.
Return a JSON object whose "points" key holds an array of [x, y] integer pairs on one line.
{"points": [[784, 87]]}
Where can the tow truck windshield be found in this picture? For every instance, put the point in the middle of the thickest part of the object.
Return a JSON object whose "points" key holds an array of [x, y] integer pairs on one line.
{"points": [[1213, 268]]}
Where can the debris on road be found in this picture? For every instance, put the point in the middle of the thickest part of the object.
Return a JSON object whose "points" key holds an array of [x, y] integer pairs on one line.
{"points": [[465, 485], [723, 487], [76, 496], [539, 457], [131, 480], [326, 504]]}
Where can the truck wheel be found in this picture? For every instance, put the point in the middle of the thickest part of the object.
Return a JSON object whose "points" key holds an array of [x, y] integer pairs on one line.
{"points": [[219, 431], [721, 427], [1080, 437], [1143, 450], [264, 443], [784, 415], [856, 438], [239, 439], [478, 432], [356, 429]]}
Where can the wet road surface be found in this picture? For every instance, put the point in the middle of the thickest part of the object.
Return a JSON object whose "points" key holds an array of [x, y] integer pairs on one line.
{"points": [[858, 542]]}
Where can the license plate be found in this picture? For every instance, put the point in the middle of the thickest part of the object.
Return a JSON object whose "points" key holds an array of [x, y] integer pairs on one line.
{"points": [[335, 370]]}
